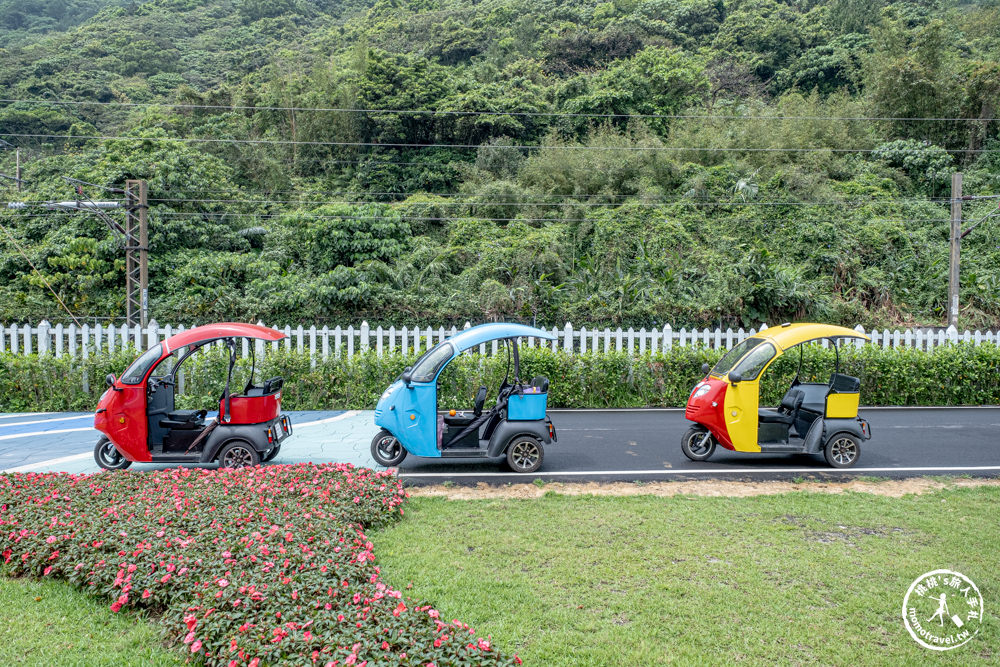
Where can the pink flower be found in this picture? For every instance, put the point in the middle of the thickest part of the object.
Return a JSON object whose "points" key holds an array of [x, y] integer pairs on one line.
{"points": [[196, 646], [146, 593], [223, 583]]}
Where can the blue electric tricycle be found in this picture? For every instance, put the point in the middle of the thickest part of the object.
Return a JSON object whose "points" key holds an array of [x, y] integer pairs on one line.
{"points": [[515, 427]]}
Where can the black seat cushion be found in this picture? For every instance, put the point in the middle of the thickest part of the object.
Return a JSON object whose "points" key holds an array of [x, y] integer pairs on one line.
{"points": [[185, 415], [184, 419], [459, 419], [766, 416]]}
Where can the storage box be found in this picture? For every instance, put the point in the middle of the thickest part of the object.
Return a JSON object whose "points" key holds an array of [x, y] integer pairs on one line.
{"points": [[526, 407]]}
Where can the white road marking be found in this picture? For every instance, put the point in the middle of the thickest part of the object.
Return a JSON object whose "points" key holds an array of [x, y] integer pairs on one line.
{"points": [[349, 413], [714, 471], [26, 414], [46, 421], [53, 432], [51, 462]]}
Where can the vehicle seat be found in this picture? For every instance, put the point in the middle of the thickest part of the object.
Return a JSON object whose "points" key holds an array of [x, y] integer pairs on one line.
{"points": [[844, 384], [270, 386], [541, 383], [184, 419], [465, 420], [786, 413]]}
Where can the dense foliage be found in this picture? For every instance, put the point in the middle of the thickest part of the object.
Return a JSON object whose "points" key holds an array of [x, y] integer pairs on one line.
{"points": [[257, 566], [950, 375], [636, 161]]}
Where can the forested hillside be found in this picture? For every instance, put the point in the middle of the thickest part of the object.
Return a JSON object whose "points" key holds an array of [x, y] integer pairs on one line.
{"points": [[431, 161]]}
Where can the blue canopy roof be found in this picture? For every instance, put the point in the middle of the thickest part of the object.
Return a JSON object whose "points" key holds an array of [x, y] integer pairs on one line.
{"points": [[487, 332]]}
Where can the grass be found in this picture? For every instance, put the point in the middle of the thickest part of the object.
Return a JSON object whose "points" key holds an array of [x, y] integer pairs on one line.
{"points": [[799, 578], [52, 624]]}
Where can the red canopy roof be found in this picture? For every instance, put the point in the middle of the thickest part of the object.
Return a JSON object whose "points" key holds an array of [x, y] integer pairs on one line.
{"points": [[221, 330]]}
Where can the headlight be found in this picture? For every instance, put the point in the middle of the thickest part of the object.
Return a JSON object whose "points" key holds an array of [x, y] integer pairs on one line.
{"points": [[700, 390]]}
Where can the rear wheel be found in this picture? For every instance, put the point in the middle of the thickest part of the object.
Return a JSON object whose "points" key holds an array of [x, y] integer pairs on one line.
{"points": [[842, 450], [238, 454], [697, 444], [108, 457], [386, 449], [525, 454]]}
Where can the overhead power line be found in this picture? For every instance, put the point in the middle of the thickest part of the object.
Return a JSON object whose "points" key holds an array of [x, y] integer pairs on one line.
{"points": [[486, 202], [38, 273], [369, 144], [313, 216], [485, 112]]}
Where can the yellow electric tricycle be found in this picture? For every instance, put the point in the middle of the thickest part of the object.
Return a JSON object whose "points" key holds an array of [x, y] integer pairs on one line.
{"points": [[813, 417]]}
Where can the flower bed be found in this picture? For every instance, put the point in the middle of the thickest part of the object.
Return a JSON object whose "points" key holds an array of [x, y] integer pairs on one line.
{"points": [[257, 566]]}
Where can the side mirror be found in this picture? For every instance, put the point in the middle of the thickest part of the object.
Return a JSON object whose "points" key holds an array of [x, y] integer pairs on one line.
{"points": [[109, 380], [406, 376], [735, 377], [705, 368]]}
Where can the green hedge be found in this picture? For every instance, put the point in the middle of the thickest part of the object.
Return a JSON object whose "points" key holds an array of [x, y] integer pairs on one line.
{"points": [[952, 375]]}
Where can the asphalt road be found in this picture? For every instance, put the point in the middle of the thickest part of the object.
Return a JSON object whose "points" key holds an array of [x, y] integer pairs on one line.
{"points": [[627, 445], [594, 445]]}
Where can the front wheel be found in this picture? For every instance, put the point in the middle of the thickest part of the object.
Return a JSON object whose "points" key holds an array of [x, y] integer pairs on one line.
{"points": [[238, 454], [108, 456], [697, 444], [386, 449], [525, 454], [842, 450]]}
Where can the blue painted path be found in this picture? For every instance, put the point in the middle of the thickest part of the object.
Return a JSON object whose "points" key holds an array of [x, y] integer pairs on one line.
{"points": [[64, 441]]}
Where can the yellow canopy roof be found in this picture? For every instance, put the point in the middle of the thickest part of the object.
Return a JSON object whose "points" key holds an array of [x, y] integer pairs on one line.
{"points": [[790, 335]]}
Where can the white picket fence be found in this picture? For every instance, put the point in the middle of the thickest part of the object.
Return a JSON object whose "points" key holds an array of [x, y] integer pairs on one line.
{"points": [[86, 340]]}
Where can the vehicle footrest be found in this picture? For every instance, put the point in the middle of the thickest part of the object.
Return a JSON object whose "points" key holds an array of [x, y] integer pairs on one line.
{"points": [[783, 447], [464, 452]]}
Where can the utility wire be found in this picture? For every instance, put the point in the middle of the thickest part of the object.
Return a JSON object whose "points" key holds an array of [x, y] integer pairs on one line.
{"points": [[409, 193], [364, 144], [38, 273], [220, 215], [456, 112], [472, 202]]}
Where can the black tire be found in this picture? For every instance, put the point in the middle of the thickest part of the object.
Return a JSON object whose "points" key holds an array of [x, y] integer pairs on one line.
{"points": [[271, 454], [695, 446], [842, 450], [525, 454], [108, 456], [238, 454], [386, 449]]}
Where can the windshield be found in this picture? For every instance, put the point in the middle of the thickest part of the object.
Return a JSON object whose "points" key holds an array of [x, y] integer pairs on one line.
{"points": [[427, 367], [752, 364], [135, 373], [722, 368]]}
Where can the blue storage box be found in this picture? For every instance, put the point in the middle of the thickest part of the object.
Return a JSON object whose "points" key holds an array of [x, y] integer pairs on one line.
{"points": [[526, 407]]}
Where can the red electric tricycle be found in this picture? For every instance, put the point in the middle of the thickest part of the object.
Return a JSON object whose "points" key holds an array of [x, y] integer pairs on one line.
{"points": [[137, 417]]}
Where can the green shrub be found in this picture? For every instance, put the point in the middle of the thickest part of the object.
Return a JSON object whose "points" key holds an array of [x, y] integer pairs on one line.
{"points": [[960, 374]]}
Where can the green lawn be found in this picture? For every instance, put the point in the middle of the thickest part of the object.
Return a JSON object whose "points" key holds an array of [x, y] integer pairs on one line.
{"points": [[796, 578], [51, 623]]}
